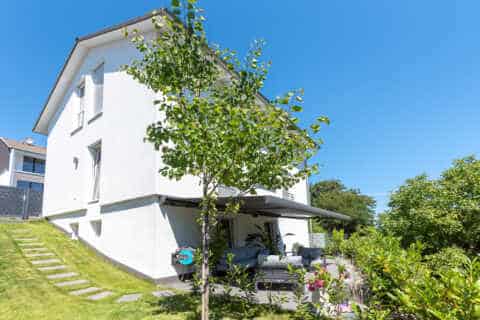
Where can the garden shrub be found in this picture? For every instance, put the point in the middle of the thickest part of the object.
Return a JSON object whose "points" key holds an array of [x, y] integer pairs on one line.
{"points": [[403, 284], [335, 242], [447, 258]]}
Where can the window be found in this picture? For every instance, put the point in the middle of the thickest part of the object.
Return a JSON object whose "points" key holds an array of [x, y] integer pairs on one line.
{"points": [[30, 185], [288, 195], [33, 165], [98, 77], [81, 105], [96, 152]]}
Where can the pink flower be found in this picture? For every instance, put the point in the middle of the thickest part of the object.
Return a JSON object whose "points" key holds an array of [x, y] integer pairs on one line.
{"points": [[311, 287], [319, 283]]}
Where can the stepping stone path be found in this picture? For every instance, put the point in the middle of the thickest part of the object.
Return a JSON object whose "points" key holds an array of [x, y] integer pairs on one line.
{"points": [[129, 297], [62, 275], [30, 244], [100, 295], [32, 255], [164, 293], [47, 261], [60, 267], [71, 283], [84, 291], [21, 231], [32, 248]]}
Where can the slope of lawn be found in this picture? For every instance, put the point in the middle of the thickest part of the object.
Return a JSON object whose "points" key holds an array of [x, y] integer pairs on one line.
{"points": [[25, 293]]}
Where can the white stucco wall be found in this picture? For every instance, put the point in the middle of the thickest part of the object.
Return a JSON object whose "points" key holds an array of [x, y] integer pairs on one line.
{"points": [[139, 233]]}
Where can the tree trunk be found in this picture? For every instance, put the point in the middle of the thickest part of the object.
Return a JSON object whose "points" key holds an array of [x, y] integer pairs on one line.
{"points": [[205, 256]]}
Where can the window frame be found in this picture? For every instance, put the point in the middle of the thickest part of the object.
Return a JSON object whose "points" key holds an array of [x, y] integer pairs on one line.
{"points": [[80, 114], [30, 185], [36, 162], [95, 150], [98, 98]]}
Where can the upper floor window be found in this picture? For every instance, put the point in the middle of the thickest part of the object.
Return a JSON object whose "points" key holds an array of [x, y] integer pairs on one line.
{"points": [[81, 105], [33, 165], [98, 78]]}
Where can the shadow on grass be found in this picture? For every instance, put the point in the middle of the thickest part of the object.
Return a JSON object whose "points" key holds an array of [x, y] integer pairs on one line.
{"points": [[221, 307]]}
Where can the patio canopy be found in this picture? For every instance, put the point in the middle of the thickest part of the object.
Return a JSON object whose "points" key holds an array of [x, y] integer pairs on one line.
{"points": [[262, 205]]}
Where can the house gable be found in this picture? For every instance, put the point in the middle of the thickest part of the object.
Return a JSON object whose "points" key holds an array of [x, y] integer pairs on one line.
{"points": [[75, 59]]}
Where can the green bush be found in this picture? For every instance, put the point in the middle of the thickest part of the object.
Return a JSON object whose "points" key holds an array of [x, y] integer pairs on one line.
{"points": [[447, 258], [334, 244], [402, 282]]}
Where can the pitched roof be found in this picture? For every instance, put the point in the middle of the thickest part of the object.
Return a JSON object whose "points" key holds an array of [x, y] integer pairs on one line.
{"points": [[79, 50], [13, 144]]}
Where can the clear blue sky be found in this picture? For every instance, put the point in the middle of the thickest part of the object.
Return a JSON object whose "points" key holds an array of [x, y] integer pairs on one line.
{"points": [[399, 79]]}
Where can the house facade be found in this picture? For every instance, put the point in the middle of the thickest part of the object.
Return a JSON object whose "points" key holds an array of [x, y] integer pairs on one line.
{"points": [[102, 181], [22, 164]]}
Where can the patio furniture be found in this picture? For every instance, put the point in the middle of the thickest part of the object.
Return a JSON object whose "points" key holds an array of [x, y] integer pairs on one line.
{"points": [[311, 256], [273, 270], [244, 256]]}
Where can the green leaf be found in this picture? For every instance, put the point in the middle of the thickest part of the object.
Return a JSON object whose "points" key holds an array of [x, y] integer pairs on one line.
{"points": [[323, 119], [315, 128], [296, 108]]}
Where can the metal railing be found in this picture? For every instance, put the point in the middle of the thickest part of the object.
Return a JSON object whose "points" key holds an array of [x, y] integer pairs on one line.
{"points": [[21, 203]]}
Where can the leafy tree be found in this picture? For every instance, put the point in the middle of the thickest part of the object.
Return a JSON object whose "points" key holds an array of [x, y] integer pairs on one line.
{"points": [[333, 195], [440, 212], [216, 126]]}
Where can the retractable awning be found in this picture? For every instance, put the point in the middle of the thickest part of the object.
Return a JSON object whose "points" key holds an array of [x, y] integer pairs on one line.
{"points": [[262, 205]]}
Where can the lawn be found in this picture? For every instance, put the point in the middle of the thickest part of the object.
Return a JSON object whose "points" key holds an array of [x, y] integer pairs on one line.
{"points": [[25, 293]]}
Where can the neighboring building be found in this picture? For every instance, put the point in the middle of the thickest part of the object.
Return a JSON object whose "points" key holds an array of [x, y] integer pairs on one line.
{"points": [[102, 180], [22, 164]]}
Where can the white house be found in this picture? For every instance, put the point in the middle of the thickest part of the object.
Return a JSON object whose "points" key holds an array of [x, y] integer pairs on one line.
{"points": [[22, 164], [102, 183]]}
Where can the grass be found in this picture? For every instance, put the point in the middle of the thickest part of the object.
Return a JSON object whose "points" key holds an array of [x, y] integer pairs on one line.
{"points": [[25, 293]]}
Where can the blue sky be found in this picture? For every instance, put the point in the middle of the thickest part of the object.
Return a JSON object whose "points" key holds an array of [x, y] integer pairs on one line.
{"points": [[398, 79]]}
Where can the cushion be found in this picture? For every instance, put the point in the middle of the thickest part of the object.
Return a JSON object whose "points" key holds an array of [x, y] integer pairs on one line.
{"points": [[277, 262], [310, 253], [242, 253]]}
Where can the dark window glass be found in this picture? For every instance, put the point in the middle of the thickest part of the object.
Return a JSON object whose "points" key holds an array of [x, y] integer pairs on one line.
{"points": [[28, 164], [23, 184], [30, 185], [33, 165], [36, 186], [39, 166]]}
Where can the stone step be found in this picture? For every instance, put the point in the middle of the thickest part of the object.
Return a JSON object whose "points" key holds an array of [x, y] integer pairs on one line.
{"points": [[84, 291], [30, 244], [26, 239], [164, 293], [62, 275], [129, 297], [61, 267], [100, 295], [20, 230], [34, 249], [71, 283], [46, 254], [47, 261]]}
